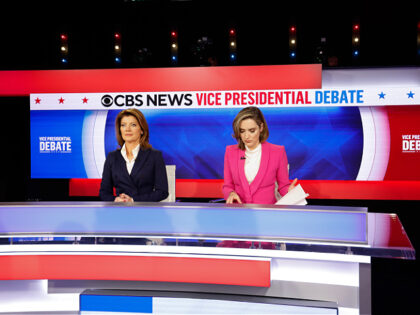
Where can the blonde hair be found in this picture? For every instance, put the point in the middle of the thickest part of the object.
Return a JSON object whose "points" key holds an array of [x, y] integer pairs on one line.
{"points": [[255, 114], [144, 138]]}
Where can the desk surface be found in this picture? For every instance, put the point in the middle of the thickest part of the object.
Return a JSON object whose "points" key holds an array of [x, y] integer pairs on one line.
{"points": [[302, 228]]}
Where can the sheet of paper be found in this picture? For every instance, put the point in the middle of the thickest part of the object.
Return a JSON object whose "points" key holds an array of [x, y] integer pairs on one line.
{"points": [[296, 196]]}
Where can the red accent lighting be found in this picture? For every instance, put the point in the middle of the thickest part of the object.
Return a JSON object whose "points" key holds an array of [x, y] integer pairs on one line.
{"points": [[317, 189], [25, 82], [137, 268]]}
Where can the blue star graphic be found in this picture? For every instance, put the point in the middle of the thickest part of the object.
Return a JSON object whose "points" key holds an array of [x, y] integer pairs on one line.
{"points": [[411, 94], [382, 95]]}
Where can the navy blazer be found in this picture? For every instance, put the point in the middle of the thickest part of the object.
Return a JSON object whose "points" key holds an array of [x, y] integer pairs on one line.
{"points": [[147, 181]]}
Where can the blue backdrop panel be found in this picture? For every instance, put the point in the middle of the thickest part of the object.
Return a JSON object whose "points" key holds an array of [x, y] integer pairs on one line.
{"points": [[54, 124], [321, 143]]}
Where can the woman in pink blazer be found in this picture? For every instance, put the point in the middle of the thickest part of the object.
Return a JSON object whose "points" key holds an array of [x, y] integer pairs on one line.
{"points": [[253, 166]]}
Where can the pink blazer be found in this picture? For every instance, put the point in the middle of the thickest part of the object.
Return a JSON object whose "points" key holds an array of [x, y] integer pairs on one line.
{"points": [[273, 168]]}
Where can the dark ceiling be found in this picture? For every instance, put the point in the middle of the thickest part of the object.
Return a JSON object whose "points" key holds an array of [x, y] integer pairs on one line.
{"points": [[30, 32]]}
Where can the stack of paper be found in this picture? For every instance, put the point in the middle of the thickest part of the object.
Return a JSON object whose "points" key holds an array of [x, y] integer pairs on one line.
{"points": [[296, 196]]}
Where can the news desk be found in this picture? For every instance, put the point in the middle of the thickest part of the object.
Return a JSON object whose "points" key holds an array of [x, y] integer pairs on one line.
{"points": [[192, 258]]}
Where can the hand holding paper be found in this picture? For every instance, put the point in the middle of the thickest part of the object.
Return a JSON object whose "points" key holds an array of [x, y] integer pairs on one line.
{"points": [[296, 196]]}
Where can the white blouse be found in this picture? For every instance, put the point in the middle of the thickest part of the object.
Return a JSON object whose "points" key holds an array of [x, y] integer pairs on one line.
{"points": [[129, 163], [252, 162]]}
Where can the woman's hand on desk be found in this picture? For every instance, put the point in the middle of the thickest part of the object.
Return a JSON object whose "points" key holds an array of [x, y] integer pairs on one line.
{"points": [[233, 196], [293, 184], [124, 198]]}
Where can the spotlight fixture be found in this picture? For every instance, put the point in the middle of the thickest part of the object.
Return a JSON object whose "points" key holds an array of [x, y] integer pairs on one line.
{"points": [[292, 43], [355, 41], [232, 46], [117, 48], [64, 48], [174, 47], [321, 51]]}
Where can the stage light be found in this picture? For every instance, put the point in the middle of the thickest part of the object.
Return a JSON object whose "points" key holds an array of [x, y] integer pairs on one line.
{"points": [[174, 46], [356, 41], [232, 45], [64, 47], [117, 47], [292, 42]]}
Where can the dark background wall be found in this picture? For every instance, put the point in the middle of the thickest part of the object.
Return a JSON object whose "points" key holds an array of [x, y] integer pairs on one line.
{"points": [[30, 30]]}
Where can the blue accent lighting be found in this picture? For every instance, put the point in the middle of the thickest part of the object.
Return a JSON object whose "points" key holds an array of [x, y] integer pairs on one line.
{"points": [[116, 303], [212, 222], [331, 137]]}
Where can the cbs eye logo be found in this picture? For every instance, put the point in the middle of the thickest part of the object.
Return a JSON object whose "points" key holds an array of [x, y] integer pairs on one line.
{"points": [[122, 100], [107, 100]]}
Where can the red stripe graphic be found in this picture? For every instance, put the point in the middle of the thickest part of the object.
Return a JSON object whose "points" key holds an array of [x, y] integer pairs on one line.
{"points": [[136, 268], [317, 189], [21, 83]]}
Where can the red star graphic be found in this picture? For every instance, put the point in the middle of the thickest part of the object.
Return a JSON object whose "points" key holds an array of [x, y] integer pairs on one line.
{"points": [[85, 100], [61, 100], [37, 100]]}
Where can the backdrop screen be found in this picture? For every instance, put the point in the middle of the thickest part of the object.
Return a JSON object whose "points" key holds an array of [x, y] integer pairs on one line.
{"points": [[342, 131], [321, 143]]}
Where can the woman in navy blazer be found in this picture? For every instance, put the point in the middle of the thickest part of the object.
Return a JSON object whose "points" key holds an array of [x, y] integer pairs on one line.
{"points": [[136, 171]]}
